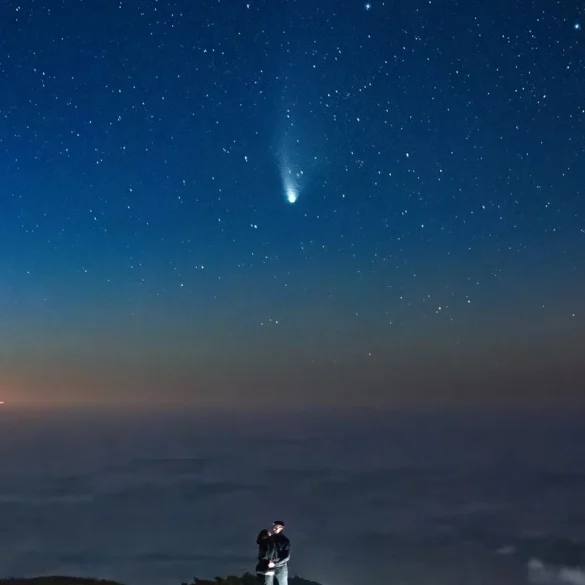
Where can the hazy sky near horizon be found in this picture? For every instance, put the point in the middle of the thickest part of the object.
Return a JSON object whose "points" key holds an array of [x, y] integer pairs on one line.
{"points": [[292, 203]]}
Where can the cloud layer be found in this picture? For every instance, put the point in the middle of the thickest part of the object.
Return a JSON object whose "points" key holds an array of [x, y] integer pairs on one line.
{"points": [[405, 497]]}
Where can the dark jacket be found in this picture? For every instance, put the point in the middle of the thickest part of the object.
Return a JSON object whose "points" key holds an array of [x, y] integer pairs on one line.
{"points": [[281, 546], [266, 551]]}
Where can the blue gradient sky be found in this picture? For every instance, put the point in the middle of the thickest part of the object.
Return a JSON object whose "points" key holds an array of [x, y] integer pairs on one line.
{"points": [[435, 254]]}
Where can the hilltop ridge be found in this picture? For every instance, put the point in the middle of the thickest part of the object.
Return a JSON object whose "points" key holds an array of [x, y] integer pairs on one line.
{"points": [[245, 579]]}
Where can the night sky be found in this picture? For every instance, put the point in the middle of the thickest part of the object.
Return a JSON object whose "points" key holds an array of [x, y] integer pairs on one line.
{"points": [[276, 203]]}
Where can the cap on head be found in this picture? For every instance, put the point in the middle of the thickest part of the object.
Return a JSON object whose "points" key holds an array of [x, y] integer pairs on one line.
{"points": [[278, 523]]}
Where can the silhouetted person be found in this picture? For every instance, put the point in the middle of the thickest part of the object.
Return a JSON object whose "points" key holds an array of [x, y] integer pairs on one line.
{"points": [[266, 558], [281, 546]]}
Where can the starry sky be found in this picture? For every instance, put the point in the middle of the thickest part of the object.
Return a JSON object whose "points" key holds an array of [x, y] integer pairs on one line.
{"points": [[264, 204]]}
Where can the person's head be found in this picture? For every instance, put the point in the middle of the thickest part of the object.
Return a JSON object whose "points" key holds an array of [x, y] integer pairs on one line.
{"points": [[277, 526]]}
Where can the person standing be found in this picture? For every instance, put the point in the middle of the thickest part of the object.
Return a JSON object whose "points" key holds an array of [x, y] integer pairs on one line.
{"points": [[266, 558], [281, 551]]}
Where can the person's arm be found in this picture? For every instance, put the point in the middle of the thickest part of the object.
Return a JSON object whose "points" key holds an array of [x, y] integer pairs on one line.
{"points": [[285, 550]]}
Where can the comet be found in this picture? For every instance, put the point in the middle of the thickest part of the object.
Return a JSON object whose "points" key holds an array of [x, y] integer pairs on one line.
{"points": [[290, 183], [290, 190], [291, 195]]}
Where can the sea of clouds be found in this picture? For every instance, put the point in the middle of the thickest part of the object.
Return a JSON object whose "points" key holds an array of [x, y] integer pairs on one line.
{"points": [[395, 498]]}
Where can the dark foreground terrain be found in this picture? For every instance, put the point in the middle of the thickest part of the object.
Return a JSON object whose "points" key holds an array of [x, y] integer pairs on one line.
{"points": [[246, 579]]}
